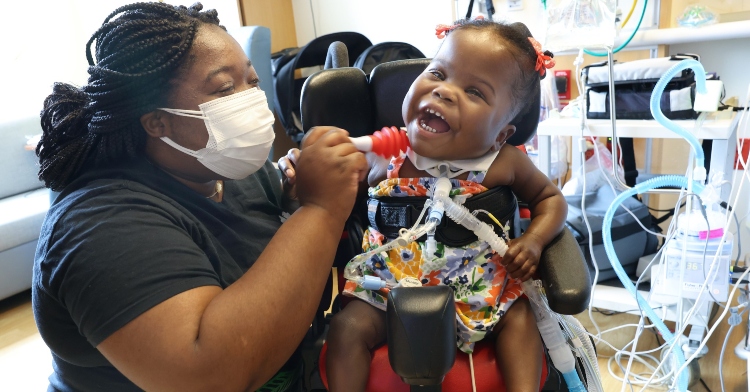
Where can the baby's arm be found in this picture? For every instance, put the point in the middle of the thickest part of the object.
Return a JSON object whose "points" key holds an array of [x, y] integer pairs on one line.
{"points": [[546, 203]]}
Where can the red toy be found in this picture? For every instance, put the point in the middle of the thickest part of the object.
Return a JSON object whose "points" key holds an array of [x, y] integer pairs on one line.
{"points": [[387, 142]]}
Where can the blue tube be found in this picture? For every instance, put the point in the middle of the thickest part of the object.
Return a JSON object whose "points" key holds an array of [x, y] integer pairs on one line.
{"points": [[657, 182], [700, 80], [573, 382]]}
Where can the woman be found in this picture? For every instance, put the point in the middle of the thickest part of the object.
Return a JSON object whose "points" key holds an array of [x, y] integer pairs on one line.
{"points": [[163, 264]]}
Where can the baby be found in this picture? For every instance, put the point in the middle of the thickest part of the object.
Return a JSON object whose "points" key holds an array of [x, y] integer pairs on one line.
{"points": [[459, 111]]}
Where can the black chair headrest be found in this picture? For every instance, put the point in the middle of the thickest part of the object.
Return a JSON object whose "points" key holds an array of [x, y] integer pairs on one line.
{"points": [[338, 97], [389, 83], [314, 53]]}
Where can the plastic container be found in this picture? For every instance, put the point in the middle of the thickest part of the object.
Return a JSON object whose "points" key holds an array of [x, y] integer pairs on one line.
{"points": [[666, 279]]}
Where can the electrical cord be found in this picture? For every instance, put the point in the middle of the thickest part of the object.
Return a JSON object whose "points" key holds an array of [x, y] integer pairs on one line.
{"points": [[598, 336], [734, 320], [630, 13], [618, 353], [713, 328]]}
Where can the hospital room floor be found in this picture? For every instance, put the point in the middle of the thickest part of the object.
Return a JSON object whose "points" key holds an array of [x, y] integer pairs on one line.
{"points": [[25, 361]]}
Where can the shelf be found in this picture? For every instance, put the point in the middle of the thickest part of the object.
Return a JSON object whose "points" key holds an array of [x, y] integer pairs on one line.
{"points": [[684, 35], [711, 129]]}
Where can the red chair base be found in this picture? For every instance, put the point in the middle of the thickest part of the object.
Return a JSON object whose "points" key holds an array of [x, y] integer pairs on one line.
{"points": [[486, 373]]}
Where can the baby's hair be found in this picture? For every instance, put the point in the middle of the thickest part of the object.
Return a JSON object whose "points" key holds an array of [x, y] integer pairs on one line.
{"points": [[138, 54], [517, 35]]}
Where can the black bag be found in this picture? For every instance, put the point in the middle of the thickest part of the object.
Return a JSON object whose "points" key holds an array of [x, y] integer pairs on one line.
{"points": [[385, 52], [628, 237], [634, 83]]}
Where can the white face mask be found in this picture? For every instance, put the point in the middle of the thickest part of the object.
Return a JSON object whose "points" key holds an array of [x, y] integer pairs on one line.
{"points": [[240, 133]]}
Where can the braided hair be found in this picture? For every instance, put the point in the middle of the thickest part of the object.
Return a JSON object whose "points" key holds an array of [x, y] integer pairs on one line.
{"points": [[517, 36], [139, 49]]}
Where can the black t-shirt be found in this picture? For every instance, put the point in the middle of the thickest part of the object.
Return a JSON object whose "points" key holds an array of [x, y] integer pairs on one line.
{"points": [[119, 241]]}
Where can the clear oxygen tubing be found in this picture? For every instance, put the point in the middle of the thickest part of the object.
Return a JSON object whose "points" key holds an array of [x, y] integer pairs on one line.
{"points": [[657, 182], [584, 347], [700, 81], [557, 347]]}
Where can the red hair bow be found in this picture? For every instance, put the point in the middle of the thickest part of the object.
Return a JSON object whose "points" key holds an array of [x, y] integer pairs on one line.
{"points": [[544, 61]]}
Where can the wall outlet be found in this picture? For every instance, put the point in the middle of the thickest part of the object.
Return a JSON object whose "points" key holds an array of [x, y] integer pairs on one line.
{"points": [[515, 5]]}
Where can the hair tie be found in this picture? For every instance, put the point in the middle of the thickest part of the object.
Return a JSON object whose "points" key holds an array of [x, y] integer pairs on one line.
{"points": [[441, 30], [544, 59]]}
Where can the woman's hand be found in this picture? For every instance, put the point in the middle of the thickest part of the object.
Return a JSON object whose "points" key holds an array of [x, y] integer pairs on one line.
{"points": [[329, 170], [522, 258], [287, 166]]}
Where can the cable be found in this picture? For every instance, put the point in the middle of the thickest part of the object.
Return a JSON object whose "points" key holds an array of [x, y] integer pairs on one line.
{"points": [[724, 345], [630, 13], [312, 13], [471, 367], [665, 210]]}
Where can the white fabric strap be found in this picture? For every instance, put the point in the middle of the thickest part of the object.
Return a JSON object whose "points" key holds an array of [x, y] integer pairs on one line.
{"points": [[455, 168]]}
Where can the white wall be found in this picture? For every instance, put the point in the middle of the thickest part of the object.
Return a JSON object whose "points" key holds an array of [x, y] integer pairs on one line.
{"points": [[729, 58], [411, 21], [45, 40]]}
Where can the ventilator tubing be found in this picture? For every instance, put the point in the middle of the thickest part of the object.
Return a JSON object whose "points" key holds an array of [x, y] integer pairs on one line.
{"points": [[557, 346], [657, 182], [700, 81], [464, 217], [585, 349]]}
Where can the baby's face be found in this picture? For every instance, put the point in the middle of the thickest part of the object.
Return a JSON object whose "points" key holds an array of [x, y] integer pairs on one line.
{"points": [[458, 107]]}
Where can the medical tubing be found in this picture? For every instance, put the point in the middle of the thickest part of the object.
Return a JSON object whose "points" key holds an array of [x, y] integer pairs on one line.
{"points": [[657, 182], [655, 104], [584, 348], [483, 231], [554, 339]]}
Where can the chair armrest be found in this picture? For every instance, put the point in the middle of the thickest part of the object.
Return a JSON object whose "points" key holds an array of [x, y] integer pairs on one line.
{"points": [[565, 275]]}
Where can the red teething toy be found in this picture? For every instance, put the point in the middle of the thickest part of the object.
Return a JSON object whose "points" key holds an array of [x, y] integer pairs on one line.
{"points": [[387, 142]]}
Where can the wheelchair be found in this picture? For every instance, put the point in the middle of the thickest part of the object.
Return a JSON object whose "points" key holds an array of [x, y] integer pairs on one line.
{"points": [[349, 99]]}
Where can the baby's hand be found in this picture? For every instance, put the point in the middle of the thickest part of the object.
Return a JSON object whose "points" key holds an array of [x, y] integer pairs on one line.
{"points": [[287, 165], [522, 257]]}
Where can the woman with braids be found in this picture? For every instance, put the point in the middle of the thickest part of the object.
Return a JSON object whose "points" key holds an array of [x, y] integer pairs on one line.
{"points": [[159, 263]]}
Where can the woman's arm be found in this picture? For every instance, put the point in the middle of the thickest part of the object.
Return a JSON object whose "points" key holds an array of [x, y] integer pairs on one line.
{"points": [[236, 339]]}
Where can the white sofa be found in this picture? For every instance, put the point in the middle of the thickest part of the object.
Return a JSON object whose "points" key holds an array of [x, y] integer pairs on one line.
{"points": [[23, 203]]}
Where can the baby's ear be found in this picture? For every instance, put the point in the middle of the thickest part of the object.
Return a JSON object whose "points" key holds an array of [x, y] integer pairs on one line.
{"points": [[504, 135]]}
